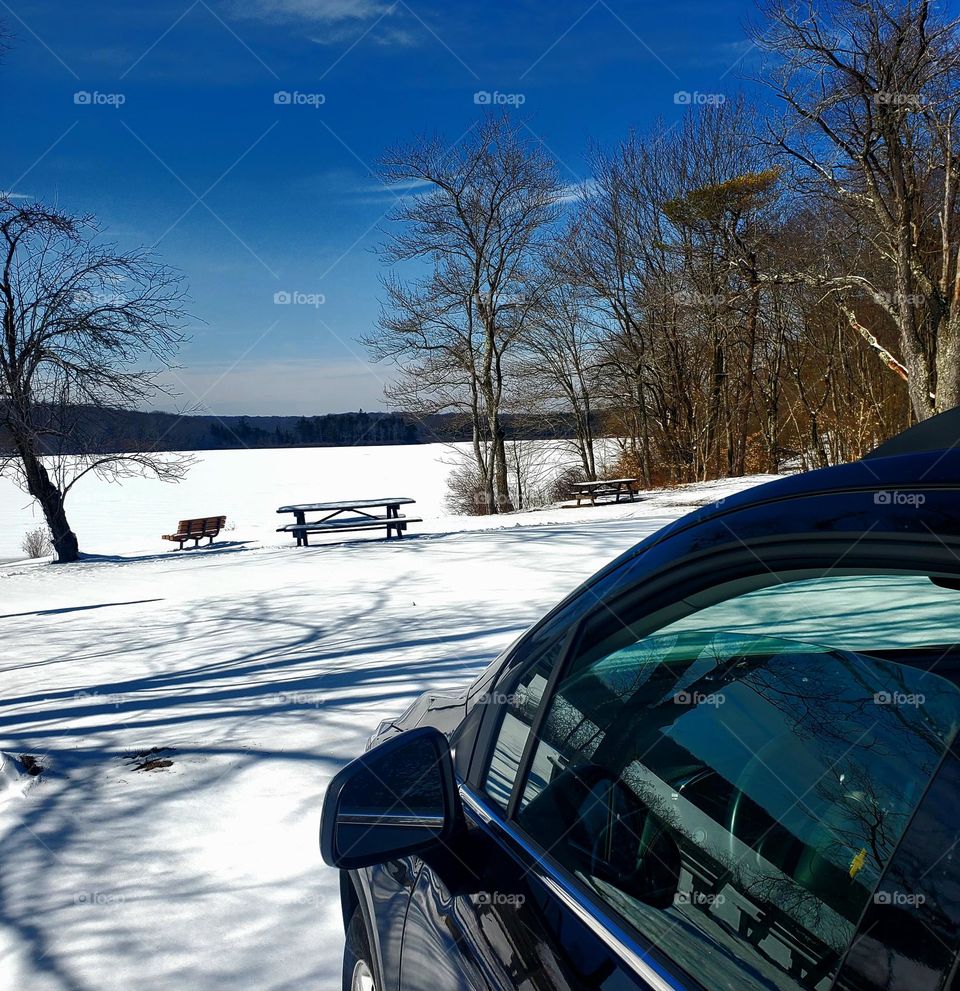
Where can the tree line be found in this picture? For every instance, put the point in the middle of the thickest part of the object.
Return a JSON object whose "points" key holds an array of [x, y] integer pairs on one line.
{"points": [[764, 282]]}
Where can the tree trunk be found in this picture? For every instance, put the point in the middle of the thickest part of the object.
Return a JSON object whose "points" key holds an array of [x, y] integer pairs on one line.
{"points": [[746, 387], [51, 502], [501, 483], [915, 356], [948, 362], [585, 439]]}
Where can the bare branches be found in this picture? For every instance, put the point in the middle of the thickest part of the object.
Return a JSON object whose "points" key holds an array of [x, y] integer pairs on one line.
{"points": [[871, 93], [86, 329], [479, 217]]}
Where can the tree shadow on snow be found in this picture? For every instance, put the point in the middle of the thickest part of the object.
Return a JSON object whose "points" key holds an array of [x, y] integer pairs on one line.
{"points": [[216, 686]]}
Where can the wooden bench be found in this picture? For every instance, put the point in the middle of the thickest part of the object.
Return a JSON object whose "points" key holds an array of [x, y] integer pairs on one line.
{"points": [[335, 522], [196, 530]]}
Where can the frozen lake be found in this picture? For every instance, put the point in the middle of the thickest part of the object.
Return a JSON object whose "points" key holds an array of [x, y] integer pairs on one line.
{"points": [[246, 487]]}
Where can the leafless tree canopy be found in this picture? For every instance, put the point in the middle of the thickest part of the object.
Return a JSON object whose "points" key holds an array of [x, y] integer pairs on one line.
{"points": [[870, 91], [479, 228], [748, 287], [85, 329]]}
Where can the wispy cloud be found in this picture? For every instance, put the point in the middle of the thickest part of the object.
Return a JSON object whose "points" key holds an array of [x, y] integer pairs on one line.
{"points": [[376, 192], [339, 22], [315, 11], [573, 192], [385, 35]]}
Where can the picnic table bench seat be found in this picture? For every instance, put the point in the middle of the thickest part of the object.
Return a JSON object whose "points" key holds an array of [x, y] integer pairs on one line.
{"points": [[355, 523], [196, 530]]}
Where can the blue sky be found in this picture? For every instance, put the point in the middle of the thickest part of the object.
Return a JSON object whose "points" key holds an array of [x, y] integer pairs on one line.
{"points": [[163, 120]]}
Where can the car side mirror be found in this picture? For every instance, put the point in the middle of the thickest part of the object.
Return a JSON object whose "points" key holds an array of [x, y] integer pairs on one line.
{"points": [[394, 800]]}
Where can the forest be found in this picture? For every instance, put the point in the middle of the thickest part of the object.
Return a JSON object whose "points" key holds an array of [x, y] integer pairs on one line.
{"points": [[770, 280]]}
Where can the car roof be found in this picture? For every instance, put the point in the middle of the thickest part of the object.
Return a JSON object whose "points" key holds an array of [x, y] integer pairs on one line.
{"points": [[938, 433]]}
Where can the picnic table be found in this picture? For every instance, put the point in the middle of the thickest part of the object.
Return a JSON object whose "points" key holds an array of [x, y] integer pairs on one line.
{"points": [[605, 486], [336, 519]]}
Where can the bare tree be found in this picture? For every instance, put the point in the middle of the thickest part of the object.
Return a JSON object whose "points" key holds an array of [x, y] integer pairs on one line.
{"points": [[557, 371], [480, 226], [608, 258], [872, 93], [723, 224], [80, 321]]}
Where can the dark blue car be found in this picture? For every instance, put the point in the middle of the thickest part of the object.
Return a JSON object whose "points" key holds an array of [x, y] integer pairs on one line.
{"points": [[727, 761]]}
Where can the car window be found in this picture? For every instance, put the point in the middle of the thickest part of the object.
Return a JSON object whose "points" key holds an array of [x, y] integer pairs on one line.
{"points": [[908, 937], [735, 784], [517, 703], [513, 702], [821, 610]]}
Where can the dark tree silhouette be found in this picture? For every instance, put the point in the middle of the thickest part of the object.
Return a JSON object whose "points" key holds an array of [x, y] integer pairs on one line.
{"points": [[81, 323]]}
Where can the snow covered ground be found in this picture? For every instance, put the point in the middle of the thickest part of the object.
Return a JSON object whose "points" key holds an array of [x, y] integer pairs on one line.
{"points": [[257, 670], [247, 487]]}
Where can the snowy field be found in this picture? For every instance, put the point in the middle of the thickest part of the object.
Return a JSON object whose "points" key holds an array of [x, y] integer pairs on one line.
{"points": [[256, 669]]}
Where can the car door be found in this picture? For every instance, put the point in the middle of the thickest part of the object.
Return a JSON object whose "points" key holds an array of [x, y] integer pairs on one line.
{"points": [[683, 796], [484, 915]]}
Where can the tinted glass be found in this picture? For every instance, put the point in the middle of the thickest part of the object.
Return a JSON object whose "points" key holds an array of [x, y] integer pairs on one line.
{"points": [[517, 702], [401, 779], [736, 793], [396, 780], [513, 701], [910, 933]]}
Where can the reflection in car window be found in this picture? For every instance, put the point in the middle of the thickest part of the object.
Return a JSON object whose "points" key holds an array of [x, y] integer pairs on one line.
{"points": [[821, 609], [738, 795], [519, 704], [517, 695], [908, 937]]}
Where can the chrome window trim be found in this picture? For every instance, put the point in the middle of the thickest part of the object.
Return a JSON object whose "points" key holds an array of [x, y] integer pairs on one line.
{"points": [[391, 819], [595, 919]]}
